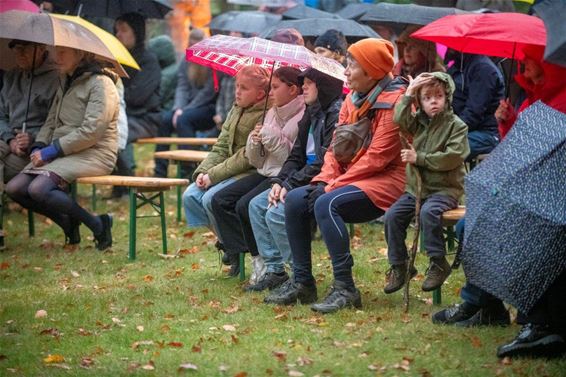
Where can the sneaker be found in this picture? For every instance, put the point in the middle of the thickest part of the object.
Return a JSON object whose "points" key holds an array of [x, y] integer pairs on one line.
{"points": [[234, 261], [258, 269], [438, 270], [270, 281], [454, 314], [291, 293], [339, 297], [395, 277], [492, 315], [104, 239], [534, 341]]}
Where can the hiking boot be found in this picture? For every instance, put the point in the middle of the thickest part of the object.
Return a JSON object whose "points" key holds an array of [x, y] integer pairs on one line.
{"points": [[73, 236], [494, 314], [340, 296], [270, 280], [258, 269], [291, 293], [534, 341], [103, 240], [395, 277], [455, 314], [234, 261], [438, 270]]}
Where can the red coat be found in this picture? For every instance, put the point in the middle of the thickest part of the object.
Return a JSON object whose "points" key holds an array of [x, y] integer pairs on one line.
{"points": [[379, 172]]}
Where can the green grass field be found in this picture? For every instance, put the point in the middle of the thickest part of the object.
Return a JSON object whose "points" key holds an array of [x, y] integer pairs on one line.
{"points": [[106, 316]]}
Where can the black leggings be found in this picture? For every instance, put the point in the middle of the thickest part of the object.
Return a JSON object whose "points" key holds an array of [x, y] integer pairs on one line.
{"points": [[41, 194]]}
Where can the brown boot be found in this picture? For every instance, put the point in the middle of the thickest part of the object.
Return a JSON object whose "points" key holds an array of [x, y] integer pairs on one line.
{"points": [[438, 270], [396, 277]]}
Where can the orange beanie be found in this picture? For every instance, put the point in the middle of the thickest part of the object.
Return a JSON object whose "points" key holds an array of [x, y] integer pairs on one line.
{"points": [[374, 55]]}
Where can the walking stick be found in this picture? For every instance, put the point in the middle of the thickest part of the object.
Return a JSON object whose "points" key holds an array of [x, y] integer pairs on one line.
{"points": [[415, 246]]}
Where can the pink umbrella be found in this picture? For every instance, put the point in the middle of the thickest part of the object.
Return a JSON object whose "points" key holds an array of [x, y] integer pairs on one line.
{"points": [[24, 5], [229, 54]]}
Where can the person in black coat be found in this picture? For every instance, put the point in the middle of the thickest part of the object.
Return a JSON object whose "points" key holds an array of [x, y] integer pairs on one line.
{"points": [[479, 88]]}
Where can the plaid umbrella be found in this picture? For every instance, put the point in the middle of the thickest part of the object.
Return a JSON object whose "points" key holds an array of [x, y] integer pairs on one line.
{"points": [[516, 211], [229, 54]]}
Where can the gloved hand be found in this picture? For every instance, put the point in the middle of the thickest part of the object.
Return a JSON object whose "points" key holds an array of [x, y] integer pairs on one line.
{"points": [[49, 153], [316, 191]]}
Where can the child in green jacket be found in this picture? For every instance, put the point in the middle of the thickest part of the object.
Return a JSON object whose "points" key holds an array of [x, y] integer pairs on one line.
{"points": [[440, 146]]}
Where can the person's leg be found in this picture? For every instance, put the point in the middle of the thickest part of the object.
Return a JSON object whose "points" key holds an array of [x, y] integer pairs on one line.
{"points": [[396, 221], [481, 142], [195, 213], [143, 126], [165, 130], [242, 209], [207, 203], [275, 218]]}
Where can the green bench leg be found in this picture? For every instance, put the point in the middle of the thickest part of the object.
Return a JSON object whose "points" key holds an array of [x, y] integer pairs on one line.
{"points": [[437, 296], [242, 266], [133, 218], [163, 223], [352, 230]]}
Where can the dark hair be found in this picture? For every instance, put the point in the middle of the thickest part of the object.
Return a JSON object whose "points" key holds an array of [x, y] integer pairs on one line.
{"points": [[288, 75]]}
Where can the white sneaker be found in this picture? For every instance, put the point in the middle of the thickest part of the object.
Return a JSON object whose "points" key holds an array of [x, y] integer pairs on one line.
{"points": [[258, 269]]}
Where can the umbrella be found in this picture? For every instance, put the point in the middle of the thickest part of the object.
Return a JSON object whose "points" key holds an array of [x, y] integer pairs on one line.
{"points": [[25, 5], [114, 8], [391, 14], [316, 26], [250, 22], [494, 34], [354, 11], [116, 47], [52, 31], [301, 12], [516, 212], [552, 13], [228, 54]]}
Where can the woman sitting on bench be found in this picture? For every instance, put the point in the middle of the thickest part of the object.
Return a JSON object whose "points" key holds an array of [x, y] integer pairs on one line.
{"points": [[78, 139]]}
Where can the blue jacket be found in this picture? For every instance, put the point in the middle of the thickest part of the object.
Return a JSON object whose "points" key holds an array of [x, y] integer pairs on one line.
{"points": [[479, 87]]}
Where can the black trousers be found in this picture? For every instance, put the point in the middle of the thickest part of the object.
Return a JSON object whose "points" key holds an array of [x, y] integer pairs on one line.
{"points": [[230, 210]]}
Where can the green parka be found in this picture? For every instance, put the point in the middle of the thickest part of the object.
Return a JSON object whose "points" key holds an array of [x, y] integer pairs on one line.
{"points": [[441, 144], [227, 157]]}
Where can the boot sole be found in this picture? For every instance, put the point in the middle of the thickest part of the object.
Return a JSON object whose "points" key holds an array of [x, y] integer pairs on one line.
{"points": [[549, 346]]}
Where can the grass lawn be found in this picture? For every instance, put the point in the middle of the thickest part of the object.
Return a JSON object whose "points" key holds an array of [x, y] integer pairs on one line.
{"points": [[105, 316]]}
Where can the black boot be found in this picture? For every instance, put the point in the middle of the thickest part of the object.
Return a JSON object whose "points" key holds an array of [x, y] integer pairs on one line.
{"points": [[234, 262], [225, 257], [291, 292], [534, 341], [340, 296], [103, 240], [73, 235]]}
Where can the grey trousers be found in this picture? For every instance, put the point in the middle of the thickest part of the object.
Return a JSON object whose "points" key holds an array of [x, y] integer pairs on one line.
{"points": [[10, 165]]}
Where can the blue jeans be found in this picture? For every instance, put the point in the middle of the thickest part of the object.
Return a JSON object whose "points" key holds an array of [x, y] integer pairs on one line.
{"points": [[197, 204], [332, 210], [481, 142], [268, 225]]}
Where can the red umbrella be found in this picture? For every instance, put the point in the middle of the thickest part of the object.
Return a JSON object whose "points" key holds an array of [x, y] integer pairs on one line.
{"points": [[494, 34], [25, 5]]}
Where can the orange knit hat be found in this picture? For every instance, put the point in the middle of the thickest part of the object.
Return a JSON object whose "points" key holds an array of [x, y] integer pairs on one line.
{"points": [[374, 55]]}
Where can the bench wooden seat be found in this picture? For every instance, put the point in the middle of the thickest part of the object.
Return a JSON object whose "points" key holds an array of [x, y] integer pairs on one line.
{"points": [[194, 141], [452, 216], [137, 189], [182, 155]]}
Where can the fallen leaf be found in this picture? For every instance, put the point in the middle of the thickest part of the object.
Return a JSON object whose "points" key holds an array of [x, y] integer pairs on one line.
{"points": [[231, 309], [139, 328], [235, 339], [75, 274], [165, 328], [4, 265], [506, 361], [148, 278], [116, 320], [187, 366], [136, 345], [86, 362], [51, 331], [84, 332], [195, 266], [196, 348], [189, 234], [295, 373], [303, 360], [192, 250], [281, 356], [373, 367], [241, 374], [223, 368], [175, 344], [476, 342], [3, 357], [149, 366], [41, 313], [229, 328], [52, 359]]}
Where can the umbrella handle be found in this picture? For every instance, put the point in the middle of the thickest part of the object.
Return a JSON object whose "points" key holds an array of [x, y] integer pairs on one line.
{"points": [[267, 94], [508, 84]]}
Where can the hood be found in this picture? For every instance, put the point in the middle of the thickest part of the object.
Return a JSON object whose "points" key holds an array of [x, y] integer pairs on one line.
{"points": [[554, 83], [329, 88], [447, 80], [433, 62], [137, 23], [162, 47]]}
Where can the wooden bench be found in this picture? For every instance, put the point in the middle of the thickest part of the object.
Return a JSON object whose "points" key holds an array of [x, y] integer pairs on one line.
{"points": [[138, 187], [176, 157], [192, 141]]}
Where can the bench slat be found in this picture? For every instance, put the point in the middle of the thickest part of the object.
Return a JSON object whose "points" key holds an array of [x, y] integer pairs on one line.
{"points": [[178, 140], [118, 180], [454, 215], [182, 155]]}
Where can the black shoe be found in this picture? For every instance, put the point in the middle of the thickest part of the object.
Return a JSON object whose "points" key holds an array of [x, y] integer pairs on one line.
{"points": [[395, 277], [73, 237], [534, 341], [225, 257], [234, 262], [339, 297], [104, 239], [270, 281], [454, 314], [292, 292], [438, 271], [494, 314]]}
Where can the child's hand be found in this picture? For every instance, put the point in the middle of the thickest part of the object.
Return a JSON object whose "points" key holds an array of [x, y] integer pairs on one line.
{"points": [[273, 196], [256, 137], [206, 181], [415, 84], [199, 182], [409, 155]]}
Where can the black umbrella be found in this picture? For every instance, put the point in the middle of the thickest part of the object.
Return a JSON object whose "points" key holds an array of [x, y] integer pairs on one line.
{"points": [[354, 11], [113, 8], [552, 13], [250, 22], [316, 26], [404, 14], [301, 12], [515, 237]]}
